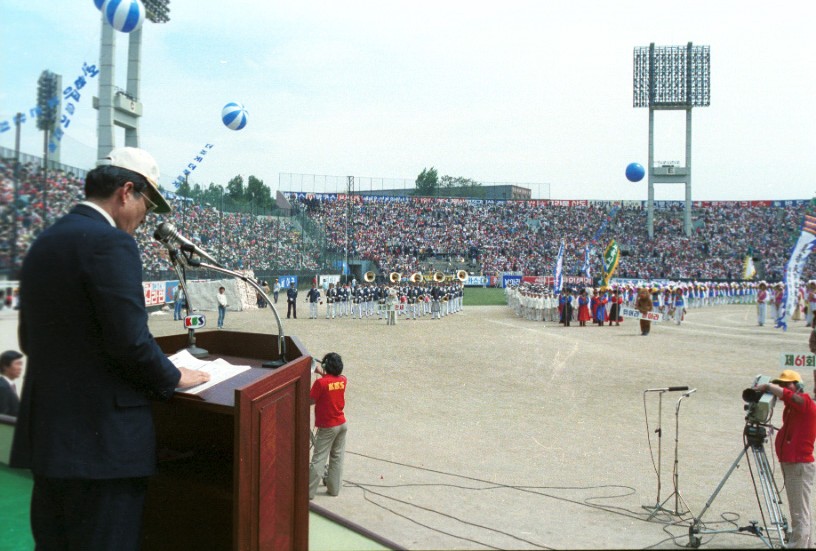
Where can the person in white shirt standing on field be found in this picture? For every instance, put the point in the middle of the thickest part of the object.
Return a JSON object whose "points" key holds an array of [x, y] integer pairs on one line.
{"points": [[222, 306]]}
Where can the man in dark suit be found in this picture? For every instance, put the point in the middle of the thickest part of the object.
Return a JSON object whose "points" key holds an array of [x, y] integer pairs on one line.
{"points": [[11, 366], [291, 300], [85, 426]]}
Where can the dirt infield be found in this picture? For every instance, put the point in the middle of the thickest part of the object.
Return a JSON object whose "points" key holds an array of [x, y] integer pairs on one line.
{"points": [[483, 430]]}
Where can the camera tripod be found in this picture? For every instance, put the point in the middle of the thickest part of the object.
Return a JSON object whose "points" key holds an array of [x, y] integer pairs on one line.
{"points": [[771, 504]]}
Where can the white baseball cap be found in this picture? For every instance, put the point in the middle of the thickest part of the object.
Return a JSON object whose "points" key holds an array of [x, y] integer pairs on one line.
{"points": [[141, 162]]}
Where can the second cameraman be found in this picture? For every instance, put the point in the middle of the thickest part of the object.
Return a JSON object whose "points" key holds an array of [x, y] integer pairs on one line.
{"points": [[794, 448]]}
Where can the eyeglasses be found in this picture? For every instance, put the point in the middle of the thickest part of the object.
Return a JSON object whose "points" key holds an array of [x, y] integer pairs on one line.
{"points": [[151, 206]]}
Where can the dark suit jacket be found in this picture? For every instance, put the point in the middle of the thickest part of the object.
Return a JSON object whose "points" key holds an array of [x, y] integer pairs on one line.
{"points": [[92, 365], [9, 403]]}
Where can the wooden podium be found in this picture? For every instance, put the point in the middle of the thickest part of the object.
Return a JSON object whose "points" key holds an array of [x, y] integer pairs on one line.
{"points": [[233, 469]]}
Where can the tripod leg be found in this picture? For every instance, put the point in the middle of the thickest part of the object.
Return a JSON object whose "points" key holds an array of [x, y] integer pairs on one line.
{"points": [[770, 494], [694, 529]]}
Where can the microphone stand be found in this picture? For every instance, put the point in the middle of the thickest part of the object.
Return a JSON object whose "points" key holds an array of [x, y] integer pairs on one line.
{"points": [[658, 504], [274, 364], [676, 474], [178, 266]]}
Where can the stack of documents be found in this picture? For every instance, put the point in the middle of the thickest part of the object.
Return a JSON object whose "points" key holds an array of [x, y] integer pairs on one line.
{"points": [[220, 370]]}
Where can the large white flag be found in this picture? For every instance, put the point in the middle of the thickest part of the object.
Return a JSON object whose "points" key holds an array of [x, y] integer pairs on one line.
{"points": [[793, 271], [559, 270]]}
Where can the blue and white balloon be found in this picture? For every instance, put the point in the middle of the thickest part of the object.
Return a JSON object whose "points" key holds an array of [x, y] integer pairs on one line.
{"points": [[234, 116], [124, 15], [98, 4]]}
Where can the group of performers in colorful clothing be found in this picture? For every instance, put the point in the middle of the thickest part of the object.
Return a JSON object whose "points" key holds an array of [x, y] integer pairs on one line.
{"points": [[410, 300], [672, 300]]}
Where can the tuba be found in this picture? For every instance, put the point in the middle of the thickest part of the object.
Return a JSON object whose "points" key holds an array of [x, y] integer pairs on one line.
{"points": [[439, 277], [462, 275], [369, 277], [395, 277], [416, 277]]}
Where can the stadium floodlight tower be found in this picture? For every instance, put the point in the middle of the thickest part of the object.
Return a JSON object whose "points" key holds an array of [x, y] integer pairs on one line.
{"points": [[122, 107], [671, 78]]}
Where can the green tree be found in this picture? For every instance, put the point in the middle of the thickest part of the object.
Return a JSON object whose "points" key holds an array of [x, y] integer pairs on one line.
{"points": [[184, 189], [460, 187], [258, 193], [235, 189], [212, 195], [427, 183]]}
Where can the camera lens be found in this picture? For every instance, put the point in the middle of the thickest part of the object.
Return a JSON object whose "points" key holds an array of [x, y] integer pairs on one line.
{"points": [[751, 395]]}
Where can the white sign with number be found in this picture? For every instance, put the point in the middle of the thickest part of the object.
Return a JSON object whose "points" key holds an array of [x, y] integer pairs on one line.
{"points": [[648, 316]]}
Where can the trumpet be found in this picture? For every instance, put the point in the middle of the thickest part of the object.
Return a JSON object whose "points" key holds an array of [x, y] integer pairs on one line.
{"points": [[395, 277], [462, 275], [439, 277], [416, 277], [369, 277]]}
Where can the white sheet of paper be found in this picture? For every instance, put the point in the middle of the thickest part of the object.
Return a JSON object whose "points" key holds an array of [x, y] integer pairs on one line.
{"points": [[219, 369]]}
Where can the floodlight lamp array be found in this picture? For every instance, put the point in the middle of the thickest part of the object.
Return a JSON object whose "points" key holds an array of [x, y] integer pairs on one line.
{"points": [[157, 11], [672, 76]]}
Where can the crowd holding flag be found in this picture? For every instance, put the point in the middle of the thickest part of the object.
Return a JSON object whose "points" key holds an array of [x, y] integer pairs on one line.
{"points": [[793, 270], [611, 258]]}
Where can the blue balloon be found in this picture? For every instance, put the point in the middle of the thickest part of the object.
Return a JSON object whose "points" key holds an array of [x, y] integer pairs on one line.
{"points": [[635, 172]]}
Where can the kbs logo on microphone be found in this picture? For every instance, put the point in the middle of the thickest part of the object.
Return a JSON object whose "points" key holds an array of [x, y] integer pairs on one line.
{"points": [[195, 321]]}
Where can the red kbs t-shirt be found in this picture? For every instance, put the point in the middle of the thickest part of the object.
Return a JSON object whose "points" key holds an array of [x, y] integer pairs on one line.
{"points": [[329, 395]]}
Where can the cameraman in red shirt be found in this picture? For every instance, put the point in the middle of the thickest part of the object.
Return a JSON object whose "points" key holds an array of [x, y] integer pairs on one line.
{"points": [[794, 448], [328, 395]]}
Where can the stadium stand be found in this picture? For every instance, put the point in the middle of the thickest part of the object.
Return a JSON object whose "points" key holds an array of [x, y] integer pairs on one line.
{"points": [[435, 234]]}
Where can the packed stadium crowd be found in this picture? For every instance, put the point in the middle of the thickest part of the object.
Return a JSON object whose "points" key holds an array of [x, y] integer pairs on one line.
{"points": [[521, 237], [404, 236], [237, 240]]}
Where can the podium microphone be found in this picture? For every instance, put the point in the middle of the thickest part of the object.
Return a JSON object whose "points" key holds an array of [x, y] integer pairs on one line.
{"points": [[167, 233]]}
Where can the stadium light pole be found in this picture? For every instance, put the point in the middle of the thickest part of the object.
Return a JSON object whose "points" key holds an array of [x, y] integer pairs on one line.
{"points": [[671, 78], [118, 107]]}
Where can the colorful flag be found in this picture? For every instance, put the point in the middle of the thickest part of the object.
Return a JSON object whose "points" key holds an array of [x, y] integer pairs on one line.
{"points": [[793, 270], [559, 270], [611, 257], [585, 269]]}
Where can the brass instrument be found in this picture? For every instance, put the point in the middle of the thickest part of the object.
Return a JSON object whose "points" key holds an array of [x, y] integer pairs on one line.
{"points": [[395, 277], [369, 277], [439, 277], [462, 275], [416, 277]]}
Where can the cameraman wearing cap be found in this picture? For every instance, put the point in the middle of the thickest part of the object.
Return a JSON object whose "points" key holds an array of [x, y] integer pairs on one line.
{"points": [[794, 448], [85, 425]]}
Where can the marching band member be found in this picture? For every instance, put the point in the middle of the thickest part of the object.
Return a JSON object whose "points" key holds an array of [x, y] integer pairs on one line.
{"points": [[331, 296], [679, 306], [312, 297], [762, 299], [811, 298]]}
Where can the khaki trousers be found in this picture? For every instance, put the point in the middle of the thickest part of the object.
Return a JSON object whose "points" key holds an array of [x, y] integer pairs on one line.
{"points": [[798, 485], [331, 443]]}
